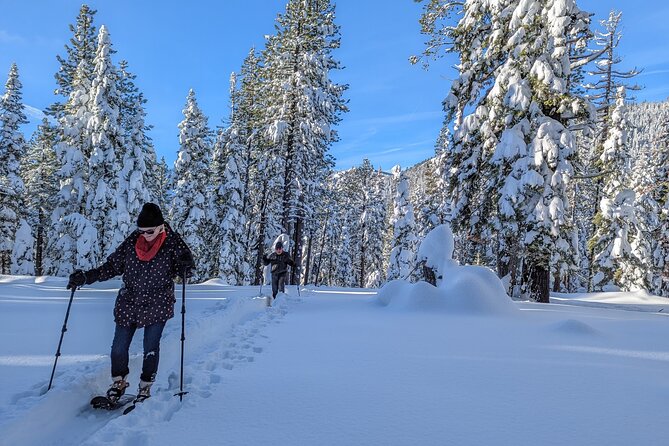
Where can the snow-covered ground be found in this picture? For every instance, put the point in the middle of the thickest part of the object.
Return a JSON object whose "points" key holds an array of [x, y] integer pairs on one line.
{"points": [[343, 367]]}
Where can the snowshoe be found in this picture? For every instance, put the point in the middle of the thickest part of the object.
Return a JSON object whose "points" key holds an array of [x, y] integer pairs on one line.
{"points": [[143, 393], [117, 389], [115, 396], [103, 402]]}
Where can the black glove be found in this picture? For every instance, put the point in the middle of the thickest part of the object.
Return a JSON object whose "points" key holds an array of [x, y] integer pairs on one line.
{"points": [[77, 279], [185, 262]]}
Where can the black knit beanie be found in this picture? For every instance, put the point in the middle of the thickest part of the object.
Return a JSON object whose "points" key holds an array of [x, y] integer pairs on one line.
{"points": [[150, 216]]}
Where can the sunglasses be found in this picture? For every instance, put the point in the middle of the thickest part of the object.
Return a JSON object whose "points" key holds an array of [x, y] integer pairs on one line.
{"points": [[147, 231]]}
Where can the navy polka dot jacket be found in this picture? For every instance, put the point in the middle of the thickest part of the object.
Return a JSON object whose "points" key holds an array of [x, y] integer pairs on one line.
{"points": [[147, 294]]}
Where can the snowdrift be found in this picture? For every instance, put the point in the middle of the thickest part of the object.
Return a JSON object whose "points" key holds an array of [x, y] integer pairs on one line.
{"points": [[473, 290]]}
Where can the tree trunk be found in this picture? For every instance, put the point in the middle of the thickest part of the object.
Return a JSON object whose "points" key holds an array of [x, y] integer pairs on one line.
{"points": [[320, 256], [307, 267], [5, 260], [39, 248], [363, 230], [430, 275], [556, 279], [331, 262], [591, 260], [297, 251], [261, 236], [290, 172], [538, 282]]}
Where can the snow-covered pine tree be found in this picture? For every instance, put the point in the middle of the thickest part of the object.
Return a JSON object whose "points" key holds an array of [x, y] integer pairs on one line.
{"points": [[660, 245], [164, 184], [23, 250], [83, 45], [258, 164], [233, 268], [39, 175], [305, 105], [352, 186], [426, 196], [265, 206], [443, 202], [509, 162], [313, 234], [229, 168], [105, 213], [343, 273], [548, 237], [356, 199], [12, 149], [566, 276], [327, 216], [614, 259], [191, 170], [73, 240], [473, 177], [137, 179], [373, 233], [649, 123], [607, 78], [608, 75], [263, 163], [249, 116], [403, 253], [582, 192]]}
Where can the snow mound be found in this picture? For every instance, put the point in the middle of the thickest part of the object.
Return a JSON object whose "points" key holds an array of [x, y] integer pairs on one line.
{"points": [[476, 289], [574, 327], [400, 294], [50, 280], [436, 250], [639, 297], [472, 290], [215, 282]]}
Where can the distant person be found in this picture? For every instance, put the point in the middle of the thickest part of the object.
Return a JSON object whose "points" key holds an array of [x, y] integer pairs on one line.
{"points": [[280, 261], [149, 260]]}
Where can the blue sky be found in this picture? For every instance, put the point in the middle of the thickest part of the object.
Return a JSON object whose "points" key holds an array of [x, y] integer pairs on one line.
{"points": [[395, 108]]}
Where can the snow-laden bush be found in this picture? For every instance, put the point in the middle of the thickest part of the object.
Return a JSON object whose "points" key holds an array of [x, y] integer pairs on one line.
{"points": [[461, 289]]}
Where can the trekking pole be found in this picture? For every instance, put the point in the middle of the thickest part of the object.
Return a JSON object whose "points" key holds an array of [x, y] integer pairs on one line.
{"points": [[62, 334], [411, 272], [183, 336]]}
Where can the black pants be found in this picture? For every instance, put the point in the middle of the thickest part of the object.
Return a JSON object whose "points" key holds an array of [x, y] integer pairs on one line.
{"points": [[121, 345], [278, 283]]}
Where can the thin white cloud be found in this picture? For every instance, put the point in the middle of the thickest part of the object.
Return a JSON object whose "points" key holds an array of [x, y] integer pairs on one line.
{"points": [[398, 119], [428, 143], [386, 161], [7, 37], [659, 93], [653, 72], [34, 112], [406, 154]]}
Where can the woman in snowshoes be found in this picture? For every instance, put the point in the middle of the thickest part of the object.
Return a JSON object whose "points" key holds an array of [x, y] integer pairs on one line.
{"points": [[149, 260]]}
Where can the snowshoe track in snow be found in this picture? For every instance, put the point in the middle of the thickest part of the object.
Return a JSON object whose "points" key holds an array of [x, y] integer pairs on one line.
{"points": [[218, 339]]}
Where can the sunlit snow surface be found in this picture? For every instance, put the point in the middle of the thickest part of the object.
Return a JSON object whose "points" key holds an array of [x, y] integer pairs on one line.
{"points": [[337, 367]]}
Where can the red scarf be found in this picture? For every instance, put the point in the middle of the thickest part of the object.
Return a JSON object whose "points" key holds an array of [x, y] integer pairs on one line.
{"points": [[147, 250]]}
